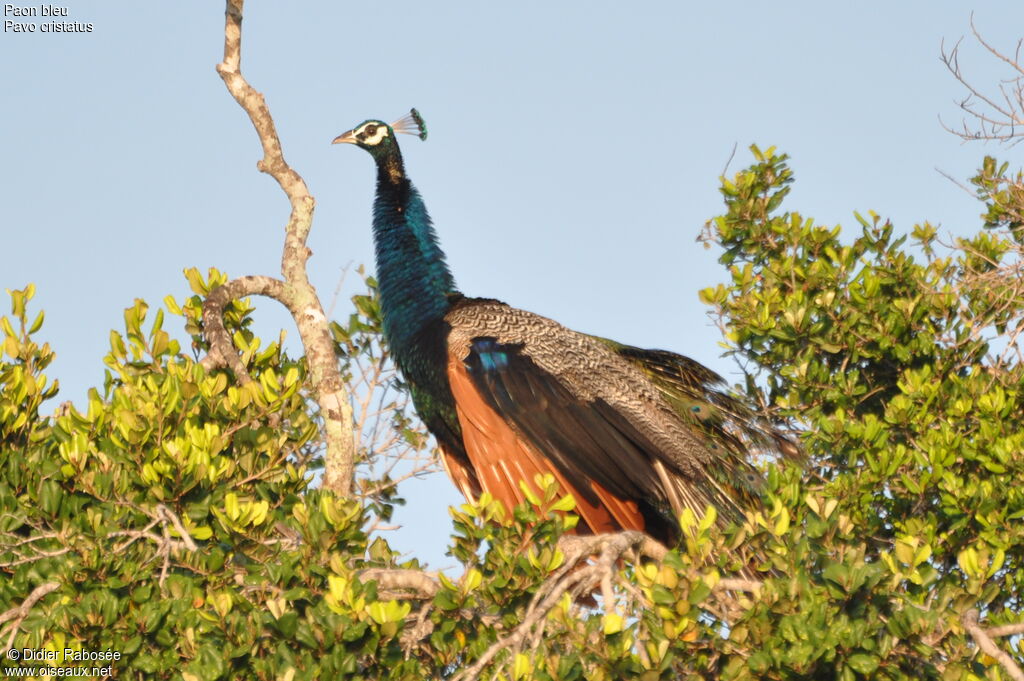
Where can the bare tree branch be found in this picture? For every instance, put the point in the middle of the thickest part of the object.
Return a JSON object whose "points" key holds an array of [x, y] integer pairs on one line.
{"points": [[167, 518], [20, 612], [408, 583], [222, 349], [579, 576], [995, 117], [987, 646], [295, 292], [591, 562], [1007, 630], [735, 584], [38, 554]]}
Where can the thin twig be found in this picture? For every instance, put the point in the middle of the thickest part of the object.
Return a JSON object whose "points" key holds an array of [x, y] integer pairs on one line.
{"points": [[167, 515], [728, 161], [166, 518], [36, 555], [1004, 117], [337, 289], [967, 190]]}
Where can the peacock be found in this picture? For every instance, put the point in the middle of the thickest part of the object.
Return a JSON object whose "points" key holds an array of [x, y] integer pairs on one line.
{"points": [[635, 435]]}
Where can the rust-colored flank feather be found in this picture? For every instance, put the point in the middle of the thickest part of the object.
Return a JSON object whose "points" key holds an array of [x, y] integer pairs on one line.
{"points": [[501, 459]]}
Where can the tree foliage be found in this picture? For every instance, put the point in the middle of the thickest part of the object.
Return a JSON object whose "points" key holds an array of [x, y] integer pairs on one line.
{"points": [[902, 363], [176, 520]]}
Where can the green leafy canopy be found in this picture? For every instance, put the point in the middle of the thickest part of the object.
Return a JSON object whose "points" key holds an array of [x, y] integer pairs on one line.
{"points": [[177, 514]]}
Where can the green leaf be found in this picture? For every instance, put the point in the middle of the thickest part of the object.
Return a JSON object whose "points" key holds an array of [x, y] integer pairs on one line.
{"points": [[612, 623], [863, 663]]}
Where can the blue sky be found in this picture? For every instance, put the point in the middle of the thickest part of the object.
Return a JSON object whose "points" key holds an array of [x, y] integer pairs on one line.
{"points": [[573, 155]]}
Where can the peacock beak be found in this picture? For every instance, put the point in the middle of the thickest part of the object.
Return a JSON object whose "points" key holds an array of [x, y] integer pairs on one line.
{"points": [[345, 138]]}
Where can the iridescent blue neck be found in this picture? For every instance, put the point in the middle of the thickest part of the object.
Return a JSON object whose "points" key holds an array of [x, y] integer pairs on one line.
{"points": [[415, 284]]}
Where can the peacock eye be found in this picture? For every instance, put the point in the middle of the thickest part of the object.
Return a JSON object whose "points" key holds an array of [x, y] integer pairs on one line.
{"points": [[371, 129]]}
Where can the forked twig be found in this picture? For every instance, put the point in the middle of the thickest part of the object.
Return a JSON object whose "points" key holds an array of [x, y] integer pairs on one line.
{"points": [[20, 612], [984, 640]]}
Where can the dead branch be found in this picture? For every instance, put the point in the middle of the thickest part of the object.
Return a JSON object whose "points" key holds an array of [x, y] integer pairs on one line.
{"points": [[415, 631], [732, 584], [987, 646], [37, 554], [591, 562], [402, 584], [1007, 630], [577, 577], [20, 612], [295, 291], [222, 349], [166, 544], [621, 541], [166, 515], [24, 549], [996, 117], [135, 535]]}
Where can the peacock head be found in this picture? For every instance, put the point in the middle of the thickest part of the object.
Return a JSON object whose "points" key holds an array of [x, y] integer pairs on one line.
{"points": [[378, 138]]}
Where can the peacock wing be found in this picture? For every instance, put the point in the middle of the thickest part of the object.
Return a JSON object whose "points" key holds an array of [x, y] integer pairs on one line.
{"points": [[594, 416]]}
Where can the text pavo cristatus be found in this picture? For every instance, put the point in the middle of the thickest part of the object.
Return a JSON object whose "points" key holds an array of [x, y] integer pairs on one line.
{"points": [[634, 435]]}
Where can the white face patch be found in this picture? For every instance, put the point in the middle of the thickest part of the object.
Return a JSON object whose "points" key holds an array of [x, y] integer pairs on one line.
{"points": [[371, 134]]}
